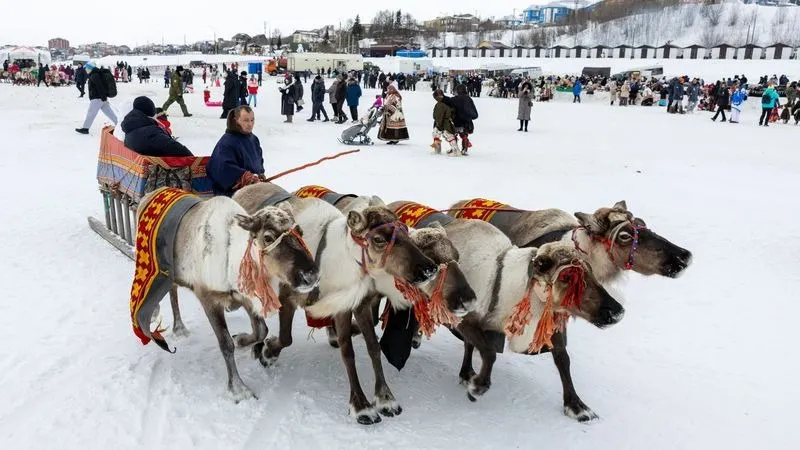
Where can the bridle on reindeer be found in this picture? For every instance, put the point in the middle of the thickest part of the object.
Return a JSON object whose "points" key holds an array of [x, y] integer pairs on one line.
{"points": [[428, 312], [254, 277], [608, 242], [363, 242]]}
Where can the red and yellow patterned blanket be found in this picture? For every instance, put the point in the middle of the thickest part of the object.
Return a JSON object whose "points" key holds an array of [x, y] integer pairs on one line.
{"points": [[412, 213], [481, 209], [155, 236], [312, 191]]}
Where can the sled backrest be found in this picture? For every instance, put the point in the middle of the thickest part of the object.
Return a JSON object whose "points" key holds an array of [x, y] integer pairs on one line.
{"points": [[122, 169]]}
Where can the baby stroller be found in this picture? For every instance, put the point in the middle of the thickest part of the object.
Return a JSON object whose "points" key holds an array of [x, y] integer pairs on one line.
{"points": [[358, 134]]}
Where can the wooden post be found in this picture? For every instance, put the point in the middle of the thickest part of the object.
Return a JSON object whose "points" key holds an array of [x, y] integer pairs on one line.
{"points": [[113, 212], [106, 206], [120, 220], [127, 206]]}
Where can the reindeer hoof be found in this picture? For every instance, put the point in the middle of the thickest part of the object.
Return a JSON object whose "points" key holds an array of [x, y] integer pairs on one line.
{"points": [[476, 388], [244, 340], [366, 416], [240, 392], [333, 340], [580, 412], [388, 408], [465, 376], [267, 352], [180, 332]]}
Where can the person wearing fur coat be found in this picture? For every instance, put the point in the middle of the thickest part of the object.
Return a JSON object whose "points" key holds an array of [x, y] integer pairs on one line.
{"points": [[624, 93], [525, 105]]}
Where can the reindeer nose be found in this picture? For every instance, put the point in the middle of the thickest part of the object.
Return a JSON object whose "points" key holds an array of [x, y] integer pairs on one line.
{"points": [[425, 273], [685, 256], [309, 276]]}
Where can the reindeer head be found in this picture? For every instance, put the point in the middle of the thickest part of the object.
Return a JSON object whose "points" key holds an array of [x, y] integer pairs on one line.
{"points": [[386, 245], [456, 291], [633, 246], [274, 232], [557, 268]]}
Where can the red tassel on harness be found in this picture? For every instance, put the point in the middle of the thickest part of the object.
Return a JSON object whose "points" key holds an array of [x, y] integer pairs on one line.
{"points": [[254, 281], [521, 314], [546, 326]]}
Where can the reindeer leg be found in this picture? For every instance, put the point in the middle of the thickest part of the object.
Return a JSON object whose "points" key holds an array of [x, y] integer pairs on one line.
{"points": [[479, 384], [467, 372], [258, 334], [360, 408], [267, 352], [178, 328], [573, 405], [384, 399], [212, 304]]}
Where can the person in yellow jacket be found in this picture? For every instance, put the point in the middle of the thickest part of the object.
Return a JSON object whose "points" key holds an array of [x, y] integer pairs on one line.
{"points": [[176, 92]]}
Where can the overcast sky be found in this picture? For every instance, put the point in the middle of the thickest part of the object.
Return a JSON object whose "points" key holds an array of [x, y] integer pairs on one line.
{"points": [[136, 22]]}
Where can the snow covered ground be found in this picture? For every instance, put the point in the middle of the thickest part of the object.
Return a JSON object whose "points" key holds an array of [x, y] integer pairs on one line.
{"points": [[704, 361]]}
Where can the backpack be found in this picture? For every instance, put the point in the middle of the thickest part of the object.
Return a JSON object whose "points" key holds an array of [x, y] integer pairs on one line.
{"points": [[766, 99], [110, 83]]}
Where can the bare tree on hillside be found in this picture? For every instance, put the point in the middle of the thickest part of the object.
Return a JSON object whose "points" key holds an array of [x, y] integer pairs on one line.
{"points": [[712, 13], [734, 15], [688, 15], [711, 37]]}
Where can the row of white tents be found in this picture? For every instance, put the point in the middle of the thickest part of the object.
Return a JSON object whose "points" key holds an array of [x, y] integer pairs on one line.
{"points": [[722, 51], [12, 54]]}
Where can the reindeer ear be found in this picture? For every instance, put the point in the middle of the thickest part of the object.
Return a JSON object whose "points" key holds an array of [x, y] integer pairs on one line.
{"points": [[436, 225], [376, 201], [621, 205], [590, 222], [286, 207], [356, 221], [244, 221], [542, 264]]}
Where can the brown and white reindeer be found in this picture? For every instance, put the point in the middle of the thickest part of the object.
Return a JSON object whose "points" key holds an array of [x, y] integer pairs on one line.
{"points": [[526, 293], [216, 242], [611, 240], [351, 250]]}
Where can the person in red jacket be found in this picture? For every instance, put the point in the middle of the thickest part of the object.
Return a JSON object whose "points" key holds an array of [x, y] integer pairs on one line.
{"points": [[252, 91]]}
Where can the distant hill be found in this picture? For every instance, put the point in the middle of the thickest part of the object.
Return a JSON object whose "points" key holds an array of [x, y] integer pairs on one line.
{"points": [[655, 22]]}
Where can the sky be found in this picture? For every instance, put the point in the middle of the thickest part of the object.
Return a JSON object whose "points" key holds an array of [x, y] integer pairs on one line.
{"points": [[135, 23]]}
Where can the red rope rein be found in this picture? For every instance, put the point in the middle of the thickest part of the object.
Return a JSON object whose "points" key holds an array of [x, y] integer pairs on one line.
{"points": [[305, 166]]}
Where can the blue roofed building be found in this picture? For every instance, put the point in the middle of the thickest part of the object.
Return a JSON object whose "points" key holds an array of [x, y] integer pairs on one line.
{"points": [[552, 12]]}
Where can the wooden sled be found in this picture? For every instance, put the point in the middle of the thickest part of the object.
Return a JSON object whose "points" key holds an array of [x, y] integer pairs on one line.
{"points": [[124, 177]]}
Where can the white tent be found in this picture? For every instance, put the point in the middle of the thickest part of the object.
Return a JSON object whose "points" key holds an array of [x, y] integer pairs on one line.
{"points": [[491, 66], [38, 56]]}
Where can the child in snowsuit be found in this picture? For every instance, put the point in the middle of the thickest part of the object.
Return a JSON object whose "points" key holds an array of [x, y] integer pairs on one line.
{"points": [[737, 100], [443, 125], [786, 113]]}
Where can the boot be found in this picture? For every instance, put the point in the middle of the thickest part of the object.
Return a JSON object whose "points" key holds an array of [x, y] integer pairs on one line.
{"points": [[520, 125], [437, 145], [526, 125], [82, 130], [310, 120], [288, 119]]}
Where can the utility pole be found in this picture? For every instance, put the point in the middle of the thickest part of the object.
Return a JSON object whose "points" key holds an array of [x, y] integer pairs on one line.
{"points": [[513, 25]]}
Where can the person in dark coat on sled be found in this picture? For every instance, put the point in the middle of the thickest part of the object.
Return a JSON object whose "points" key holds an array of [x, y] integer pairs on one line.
{"points": [[144, 135], [237, 160]]}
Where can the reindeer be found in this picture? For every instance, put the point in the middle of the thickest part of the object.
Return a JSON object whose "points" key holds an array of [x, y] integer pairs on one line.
{"points": [[505, 274], [351, 250], [211, 241], [611, 241]]}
